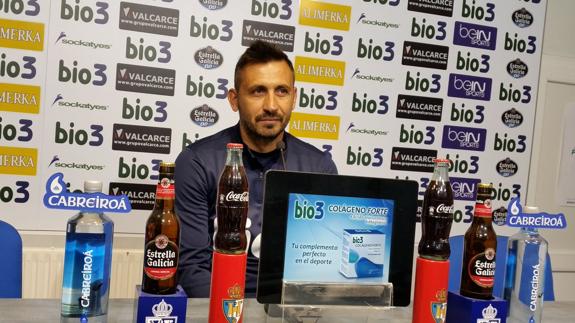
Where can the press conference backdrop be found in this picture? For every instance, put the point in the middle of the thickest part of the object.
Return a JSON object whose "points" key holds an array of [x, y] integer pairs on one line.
{"points": [[107, 89]]}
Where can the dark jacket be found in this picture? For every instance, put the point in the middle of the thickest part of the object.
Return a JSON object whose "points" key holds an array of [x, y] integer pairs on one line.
{"points": [[198, 169]]}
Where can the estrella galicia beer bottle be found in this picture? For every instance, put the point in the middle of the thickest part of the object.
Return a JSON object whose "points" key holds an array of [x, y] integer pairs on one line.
{"points": [[230, 243], [162, 238], [480, 244], [437, 215]]}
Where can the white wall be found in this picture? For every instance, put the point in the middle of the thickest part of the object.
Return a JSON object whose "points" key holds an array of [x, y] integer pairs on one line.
{"points": [[557, 86]]}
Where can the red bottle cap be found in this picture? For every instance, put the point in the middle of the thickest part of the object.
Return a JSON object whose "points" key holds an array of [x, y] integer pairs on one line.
{"points": [[235, 145]]}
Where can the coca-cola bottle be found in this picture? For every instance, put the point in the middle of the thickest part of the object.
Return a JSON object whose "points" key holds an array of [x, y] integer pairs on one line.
{"points": [[437, 214], [232, 204], [229, 258]]}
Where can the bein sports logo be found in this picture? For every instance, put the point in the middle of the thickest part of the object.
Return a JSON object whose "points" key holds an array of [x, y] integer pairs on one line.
{"points": [[464, 138], [469, 87], [472, 35], [464, 188]]}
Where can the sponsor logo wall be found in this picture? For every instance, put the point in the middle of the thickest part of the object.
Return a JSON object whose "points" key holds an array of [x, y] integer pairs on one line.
{"points": [[106, 90]]}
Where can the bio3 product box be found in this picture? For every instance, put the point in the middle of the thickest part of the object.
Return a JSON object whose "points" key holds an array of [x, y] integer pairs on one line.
{"points": [[362, 253]]}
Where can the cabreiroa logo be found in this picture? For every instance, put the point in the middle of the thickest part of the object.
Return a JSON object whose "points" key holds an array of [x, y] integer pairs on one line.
{"points": [[411, 159], [322, 71], [280, 35], [20, 98], [314, 126], [208, 58], [425, 55], [419, 107], [140, 138], [18, 161], [440, 7], [21, 34], [149, 19], [324, 15], [145, 79], [141, 196]]}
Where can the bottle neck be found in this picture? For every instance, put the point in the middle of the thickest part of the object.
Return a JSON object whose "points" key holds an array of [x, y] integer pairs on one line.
{"points": [[165, 204], [530, 230], [234, 157], [440, 172]]}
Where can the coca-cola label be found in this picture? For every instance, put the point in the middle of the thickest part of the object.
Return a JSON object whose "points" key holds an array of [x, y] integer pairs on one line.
{"points": [[232, 196], [445, 209], [481, 268], [160, 258], [166, 189]]}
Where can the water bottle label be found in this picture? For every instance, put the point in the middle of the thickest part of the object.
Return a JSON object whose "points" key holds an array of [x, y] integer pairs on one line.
{"points": [[481, 268], [161, 258], [516, 218], [531, 277]]}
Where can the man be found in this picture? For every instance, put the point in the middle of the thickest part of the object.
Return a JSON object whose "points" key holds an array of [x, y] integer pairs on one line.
{"points": [[264, 95]]}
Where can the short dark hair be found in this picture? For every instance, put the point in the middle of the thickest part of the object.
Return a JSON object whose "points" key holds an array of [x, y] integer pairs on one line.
{"points": [[259, 52]]}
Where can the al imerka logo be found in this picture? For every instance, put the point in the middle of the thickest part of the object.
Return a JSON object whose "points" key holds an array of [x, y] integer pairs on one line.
{"points": [[57, 197]]}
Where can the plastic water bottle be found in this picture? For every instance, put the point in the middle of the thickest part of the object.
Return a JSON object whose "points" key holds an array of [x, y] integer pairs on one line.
{"points": [[525, 274], [87, 265]]}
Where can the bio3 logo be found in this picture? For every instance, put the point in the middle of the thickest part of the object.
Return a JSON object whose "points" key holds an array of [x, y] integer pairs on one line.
{"points": [[514, 95], [264, 8], [368, 159], [16, 7], [17, 193], [150, 53], [385, 51], [21, 132], [144, 112], [201, 88], [318, 44], [135, 170], [422, 83], [365, 104], [83, 75], [463, 166], [303, 211], [221, 31], [416, 136], [465, 115], [503, 193], [23, 67], [73, 135], [466, 62], [478, 12], [520, 45], [426, 30], [503, 143], [77, 11], [317, 100], [392, 3]]}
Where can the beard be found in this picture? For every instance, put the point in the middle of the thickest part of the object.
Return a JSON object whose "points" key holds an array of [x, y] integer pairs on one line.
{"points": [[262, 133]]}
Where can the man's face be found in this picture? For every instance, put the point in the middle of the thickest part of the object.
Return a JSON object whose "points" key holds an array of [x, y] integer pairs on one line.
{"points": [[265, 100]]}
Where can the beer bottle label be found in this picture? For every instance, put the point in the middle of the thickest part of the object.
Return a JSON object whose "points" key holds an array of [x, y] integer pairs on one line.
{"points": [[165, 189], [481, 268], [483, 209], [160, 258]]}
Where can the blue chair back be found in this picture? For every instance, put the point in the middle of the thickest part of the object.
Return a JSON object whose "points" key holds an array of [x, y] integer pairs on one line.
{"points": [[11, 264], [456, 259]]}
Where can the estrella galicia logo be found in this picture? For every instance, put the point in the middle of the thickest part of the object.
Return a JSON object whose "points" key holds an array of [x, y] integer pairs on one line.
{"points": [[141, 196], [57, 197], [464, 138], [522, 18], [145, 79], [517, 68], [411, 159], [425, 55], [441, 8], [469, 87], [464, 189], [473, 35], [208, 58], [512, 118], [213, 4], [204, 116], [499, 216], [280, 35], [419, 107], [149, 19], [142, 139], [506, 167]]}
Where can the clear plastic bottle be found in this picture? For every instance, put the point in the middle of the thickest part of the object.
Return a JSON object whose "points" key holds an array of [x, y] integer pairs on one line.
{"points": [[525, 274], [87, 265]]}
